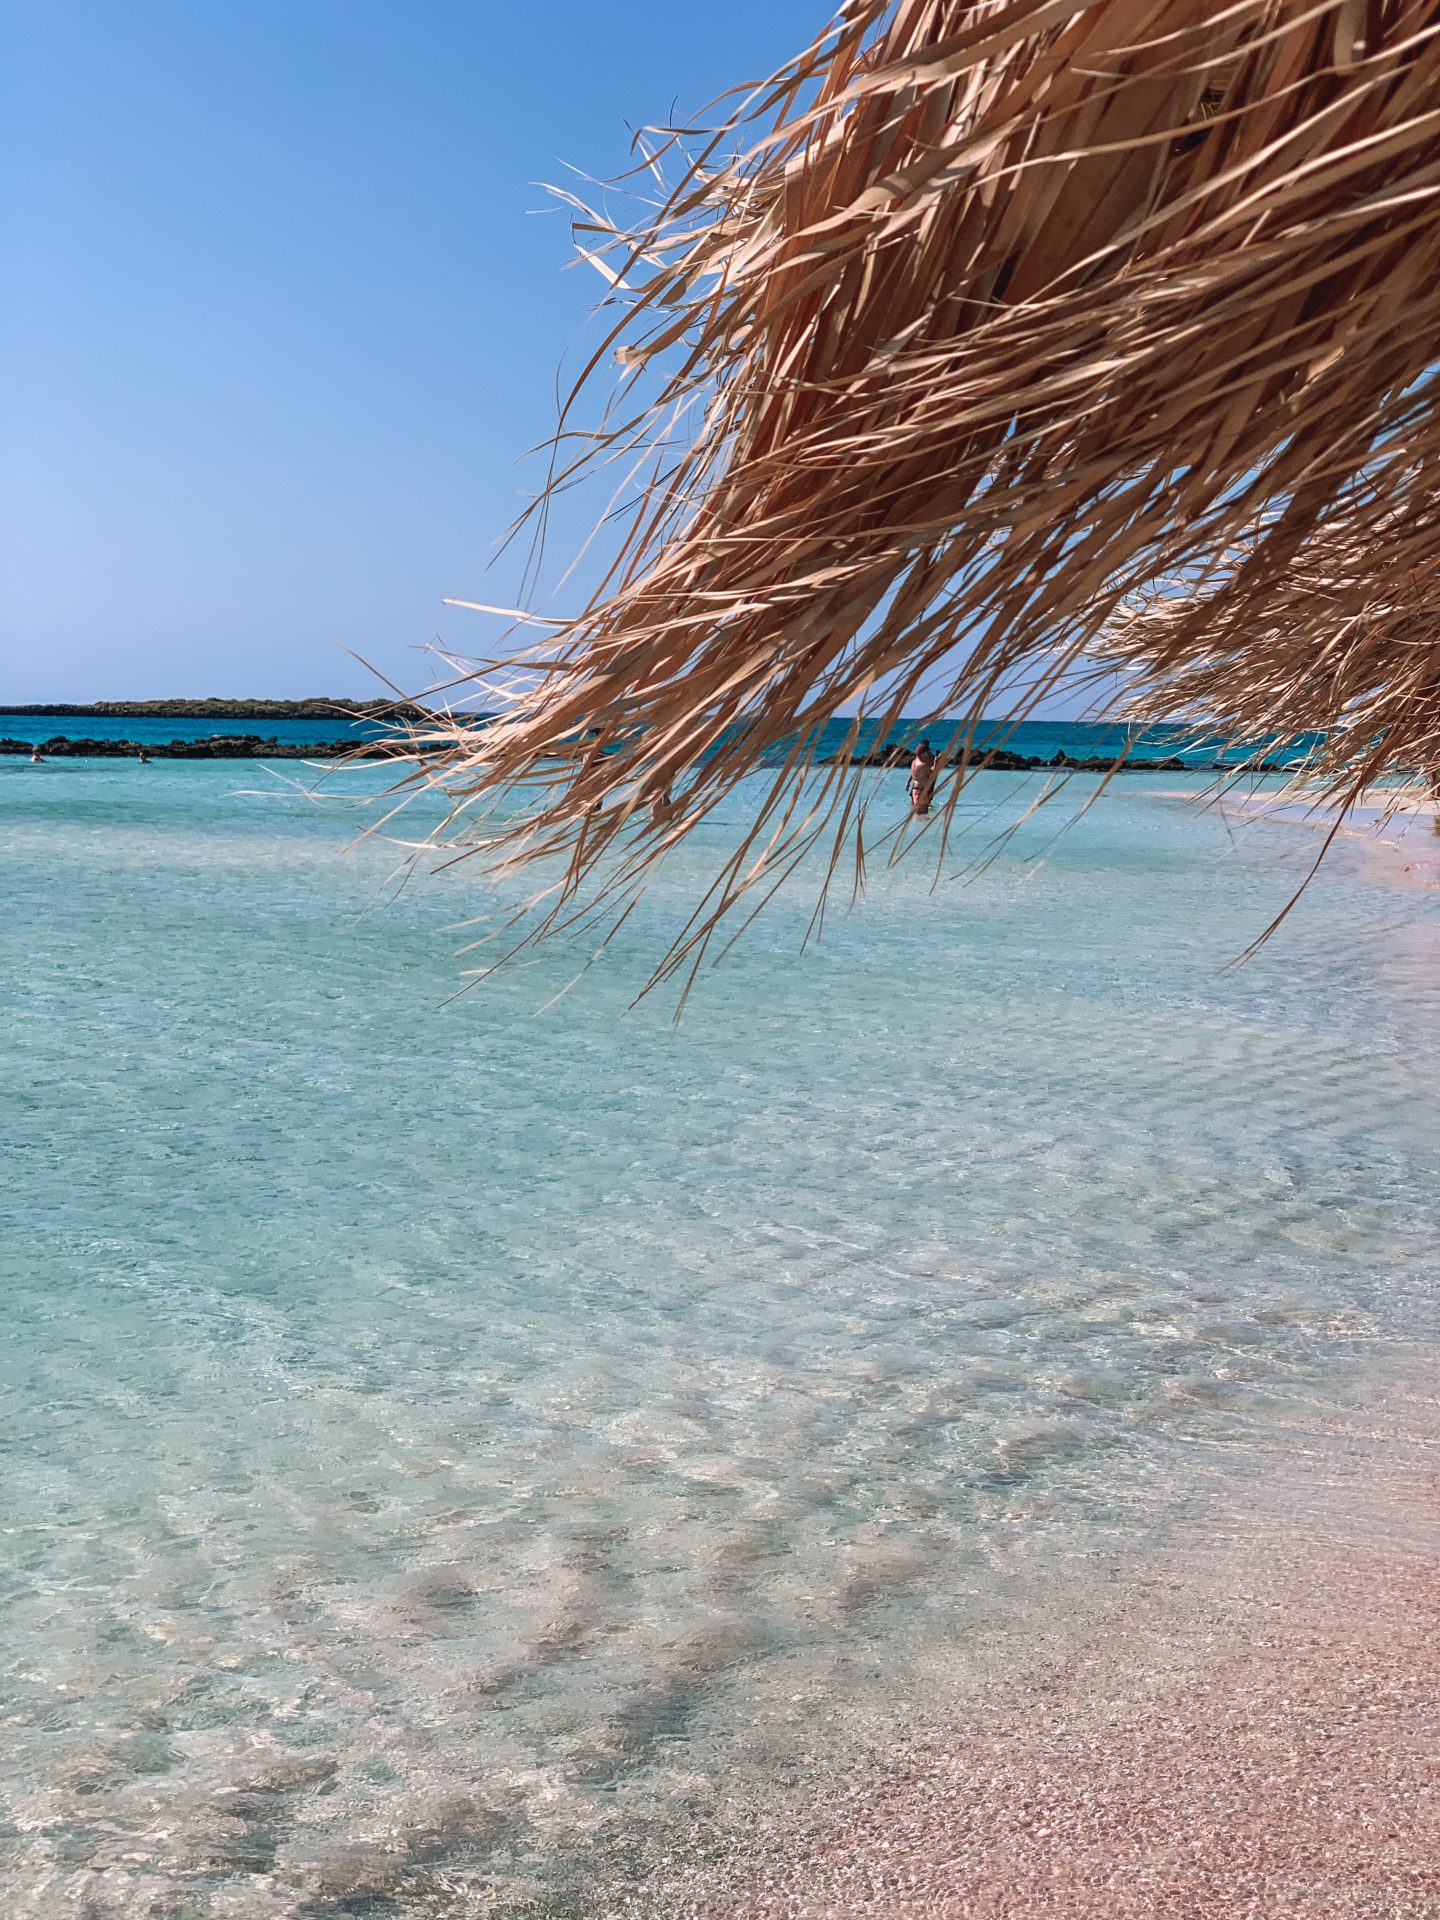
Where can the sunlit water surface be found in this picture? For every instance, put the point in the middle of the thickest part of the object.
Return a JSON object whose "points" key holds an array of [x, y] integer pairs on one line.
{"points": [[452, 1450]]}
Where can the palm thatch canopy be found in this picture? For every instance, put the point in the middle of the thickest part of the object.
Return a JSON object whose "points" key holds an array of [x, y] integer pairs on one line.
{"points": [[976, 321], [1342, 643]]}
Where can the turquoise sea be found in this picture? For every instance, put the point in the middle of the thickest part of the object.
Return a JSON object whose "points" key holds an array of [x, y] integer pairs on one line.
{"points": [[459, 1453], [160, 729]]}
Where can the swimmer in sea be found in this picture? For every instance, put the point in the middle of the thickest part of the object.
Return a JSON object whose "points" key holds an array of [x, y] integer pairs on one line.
{"points": [[924, 771]]}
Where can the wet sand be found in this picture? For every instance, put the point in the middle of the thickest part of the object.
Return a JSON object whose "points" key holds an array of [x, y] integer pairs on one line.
{"points": [[1400, 832], [1398, 828], [1254, 1732]]}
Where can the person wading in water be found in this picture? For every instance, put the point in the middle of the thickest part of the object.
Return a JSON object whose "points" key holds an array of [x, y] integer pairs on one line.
{"points": [[924, 771]]}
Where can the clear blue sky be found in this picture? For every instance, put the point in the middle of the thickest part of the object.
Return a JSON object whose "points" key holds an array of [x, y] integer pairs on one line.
{"points": [[279, 312]]}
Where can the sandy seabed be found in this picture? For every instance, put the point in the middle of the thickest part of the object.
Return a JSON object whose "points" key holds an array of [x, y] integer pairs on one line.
{"points": [[1254, 1731], [1396, 829]]}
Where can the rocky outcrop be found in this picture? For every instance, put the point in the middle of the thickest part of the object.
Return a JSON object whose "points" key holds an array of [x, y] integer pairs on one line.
{"points": [[1001, 760], [254, 746], [216, 746]]}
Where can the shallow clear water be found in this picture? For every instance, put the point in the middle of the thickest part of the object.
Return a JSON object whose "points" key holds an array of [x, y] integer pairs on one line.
{"points": [[447, 1446]]}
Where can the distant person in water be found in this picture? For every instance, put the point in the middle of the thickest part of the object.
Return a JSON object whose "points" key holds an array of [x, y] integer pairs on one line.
{"points": [[924, 771], [144, 757], [37, 758]]}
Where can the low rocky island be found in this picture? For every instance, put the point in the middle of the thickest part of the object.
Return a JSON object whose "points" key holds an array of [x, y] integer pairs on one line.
{"points": [[212, 709], [385, 724], [215, 746], [1001, 760], [254, 746]]}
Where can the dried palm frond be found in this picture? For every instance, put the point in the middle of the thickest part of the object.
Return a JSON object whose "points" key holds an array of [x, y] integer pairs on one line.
{"points": [[976, 319], [1343, 651]]}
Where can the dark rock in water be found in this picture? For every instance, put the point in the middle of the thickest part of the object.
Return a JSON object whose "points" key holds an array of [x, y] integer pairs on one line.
{"points": [[219, 746], [997, 760], [887, 756], [1002, 760]]}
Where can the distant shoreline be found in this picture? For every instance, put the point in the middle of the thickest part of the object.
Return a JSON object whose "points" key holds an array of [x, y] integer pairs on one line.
{"points": [[254, 746], [218, 746], [236, 730], [316, 709]]}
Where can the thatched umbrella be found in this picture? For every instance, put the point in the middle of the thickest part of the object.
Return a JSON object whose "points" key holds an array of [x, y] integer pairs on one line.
{"points": [[1342, 647], [973, 322]]}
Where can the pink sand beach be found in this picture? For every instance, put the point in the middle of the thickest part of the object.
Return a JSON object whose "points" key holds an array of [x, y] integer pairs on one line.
{"points": [[1398, 827], [1255, 1731]]}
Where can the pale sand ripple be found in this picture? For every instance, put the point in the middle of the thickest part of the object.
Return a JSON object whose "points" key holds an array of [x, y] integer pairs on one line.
{"points": [[1255, 1731], [1394, 830]]}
